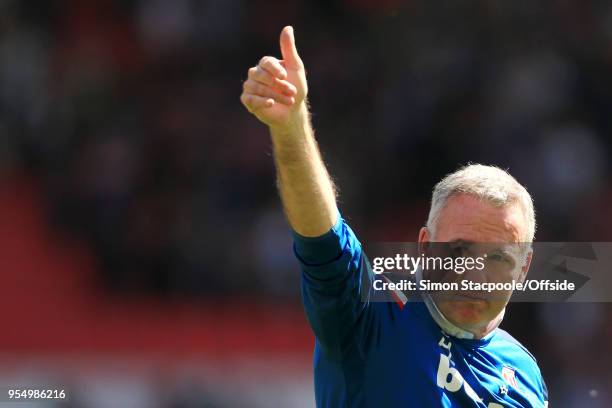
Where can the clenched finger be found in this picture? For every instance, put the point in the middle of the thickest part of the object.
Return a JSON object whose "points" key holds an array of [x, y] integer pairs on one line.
{"points": [[273, 66], [255, 102], [260, 75], [257, 88]]}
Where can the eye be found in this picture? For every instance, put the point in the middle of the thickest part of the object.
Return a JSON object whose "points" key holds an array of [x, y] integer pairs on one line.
{"points": [[458, 250], [496, 257]]}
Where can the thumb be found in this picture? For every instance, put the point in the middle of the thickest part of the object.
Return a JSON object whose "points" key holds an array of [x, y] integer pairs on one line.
{"points": [[287, 43]]}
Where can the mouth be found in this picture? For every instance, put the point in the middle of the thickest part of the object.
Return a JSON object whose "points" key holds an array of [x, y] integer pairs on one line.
{"points": [[470, 298]]}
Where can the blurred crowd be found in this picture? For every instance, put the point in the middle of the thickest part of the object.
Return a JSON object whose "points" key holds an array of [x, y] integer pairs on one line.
{"points": [[128, 113]]}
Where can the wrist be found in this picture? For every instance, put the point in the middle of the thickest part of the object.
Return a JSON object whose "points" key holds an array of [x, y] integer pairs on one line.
{"points": [[295, 123]]}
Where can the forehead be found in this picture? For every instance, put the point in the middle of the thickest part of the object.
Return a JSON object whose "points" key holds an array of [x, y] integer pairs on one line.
{"points": [[466, 217]]}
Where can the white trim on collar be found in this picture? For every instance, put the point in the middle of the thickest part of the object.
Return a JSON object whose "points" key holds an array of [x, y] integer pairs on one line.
{"points": [[444, 323]]}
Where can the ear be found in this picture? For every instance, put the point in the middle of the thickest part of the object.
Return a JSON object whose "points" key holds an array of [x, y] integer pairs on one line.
{"points": [[424, 239], [424, 235], [525, 267]]}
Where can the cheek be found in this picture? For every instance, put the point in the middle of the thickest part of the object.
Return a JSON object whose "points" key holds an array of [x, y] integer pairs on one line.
{"points": [[499, 299]]}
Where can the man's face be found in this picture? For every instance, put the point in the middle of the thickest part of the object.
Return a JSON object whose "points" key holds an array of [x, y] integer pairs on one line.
{"points": [[475, 227]]}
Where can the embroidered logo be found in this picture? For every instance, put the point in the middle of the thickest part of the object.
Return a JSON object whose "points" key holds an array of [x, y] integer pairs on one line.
{"points": [[508, 374]]}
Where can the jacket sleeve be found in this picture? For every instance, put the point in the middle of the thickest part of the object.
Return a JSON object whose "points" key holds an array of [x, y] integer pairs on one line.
{"points": [[333, 274]]}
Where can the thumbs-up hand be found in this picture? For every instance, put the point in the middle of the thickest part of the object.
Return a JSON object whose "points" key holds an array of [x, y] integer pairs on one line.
{"points": [[275, 89]]}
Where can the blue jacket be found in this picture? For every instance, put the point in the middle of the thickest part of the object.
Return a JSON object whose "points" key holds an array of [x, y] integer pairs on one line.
{"points": [[387, 354]]}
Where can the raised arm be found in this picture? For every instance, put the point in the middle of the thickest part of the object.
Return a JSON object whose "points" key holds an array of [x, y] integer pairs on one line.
{"points": [[275, 92]]}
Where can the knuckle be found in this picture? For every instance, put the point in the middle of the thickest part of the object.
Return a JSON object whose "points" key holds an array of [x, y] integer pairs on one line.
{"points": [[259, 72], [273, 65]]}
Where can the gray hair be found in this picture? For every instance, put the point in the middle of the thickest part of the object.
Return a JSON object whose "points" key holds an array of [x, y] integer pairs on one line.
{"points": [[489, 183]]}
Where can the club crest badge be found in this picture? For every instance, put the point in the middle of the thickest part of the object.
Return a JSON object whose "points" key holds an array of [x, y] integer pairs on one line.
{"points": [[508, 374]]}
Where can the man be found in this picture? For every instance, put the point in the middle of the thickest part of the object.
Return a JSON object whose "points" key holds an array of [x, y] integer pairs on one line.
{"points": [[441, 352]]}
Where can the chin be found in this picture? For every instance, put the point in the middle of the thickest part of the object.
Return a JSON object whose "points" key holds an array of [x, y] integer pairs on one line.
{"points": [[468, 312]]}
